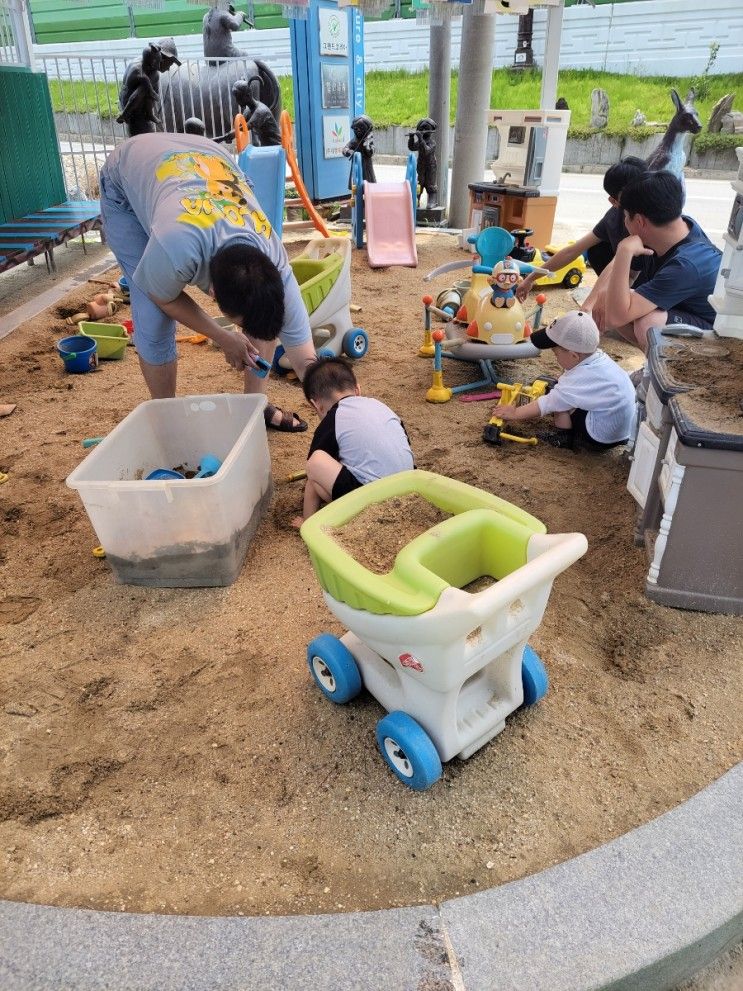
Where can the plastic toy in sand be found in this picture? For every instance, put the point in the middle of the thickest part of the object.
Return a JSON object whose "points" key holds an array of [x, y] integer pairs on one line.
{"points": [[446, 342], [104, 304], [569, 276], [440, 640], [516, 394], [323, 271]]}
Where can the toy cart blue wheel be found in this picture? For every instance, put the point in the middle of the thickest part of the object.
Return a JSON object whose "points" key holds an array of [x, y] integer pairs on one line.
{"points": [[277, 356], [325, 353], [355, 343], [533, 676], [334, 669], [408, 751]]}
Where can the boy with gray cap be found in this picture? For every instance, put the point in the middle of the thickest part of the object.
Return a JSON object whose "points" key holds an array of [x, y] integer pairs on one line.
{"points": [[593, 402]]}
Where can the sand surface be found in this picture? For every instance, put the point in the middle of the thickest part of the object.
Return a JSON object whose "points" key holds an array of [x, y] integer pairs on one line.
{"points": [[166, 750]]}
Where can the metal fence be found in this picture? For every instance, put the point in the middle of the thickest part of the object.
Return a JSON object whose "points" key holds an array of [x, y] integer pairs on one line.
{"points": [[85, 98], [15, 33]]}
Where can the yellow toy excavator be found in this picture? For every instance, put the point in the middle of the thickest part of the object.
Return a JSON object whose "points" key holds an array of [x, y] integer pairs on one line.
{"points": [[515, 394]]}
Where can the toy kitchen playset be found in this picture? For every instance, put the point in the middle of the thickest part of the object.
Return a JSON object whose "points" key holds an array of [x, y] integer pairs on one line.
{"points": [[528, 163], [687, 466]]}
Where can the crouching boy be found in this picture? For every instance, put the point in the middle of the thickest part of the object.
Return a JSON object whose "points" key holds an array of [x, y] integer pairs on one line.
{"points": [[593, 402], [358, 440]]}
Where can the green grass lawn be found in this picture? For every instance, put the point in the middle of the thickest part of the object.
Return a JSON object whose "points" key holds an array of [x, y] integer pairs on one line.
{"points": [[401, 97]]}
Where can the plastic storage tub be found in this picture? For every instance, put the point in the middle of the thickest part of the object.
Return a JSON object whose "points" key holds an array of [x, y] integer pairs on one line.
{"points": [[189, 532]]}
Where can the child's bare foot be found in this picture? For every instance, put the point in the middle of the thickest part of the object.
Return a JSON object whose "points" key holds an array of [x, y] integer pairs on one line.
{"points": [[297, 521]]}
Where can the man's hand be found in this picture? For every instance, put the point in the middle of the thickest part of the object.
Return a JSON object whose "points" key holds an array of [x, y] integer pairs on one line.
{"points": [[238, 352], [524, 287], [632, 245], [597, 309]]}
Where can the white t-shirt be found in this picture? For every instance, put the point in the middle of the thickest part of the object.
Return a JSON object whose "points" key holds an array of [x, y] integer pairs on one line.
{"points": [[604, 390], [366, 436]]}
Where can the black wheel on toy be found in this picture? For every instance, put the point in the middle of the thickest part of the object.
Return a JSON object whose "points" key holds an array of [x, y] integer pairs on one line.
{"points": [[573, 278]]}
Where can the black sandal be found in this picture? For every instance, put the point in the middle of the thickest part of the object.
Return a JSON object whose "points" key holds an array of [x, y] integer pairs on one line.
{"points": [[286, 424]]}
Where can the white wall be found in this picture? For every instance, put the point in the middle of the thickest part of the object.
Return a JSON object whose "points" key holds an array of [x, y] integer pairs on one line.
{"points": [[651, 37]]}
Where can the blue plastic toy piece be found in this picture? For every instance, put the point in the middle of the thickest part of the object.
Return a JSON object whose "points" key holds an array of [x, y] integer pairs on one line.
{"points": [[411, 175], [408, 751], [265, 167], [208, 467], [355, 343], [325, 353], [492, 245], [334, 669], [160, 474], [533, 676], [264, 367], [277, 355]]}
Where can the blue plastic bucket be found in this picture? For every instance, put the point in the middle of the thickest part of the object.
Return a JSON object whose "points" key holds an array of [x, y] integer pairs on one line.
{"points": [[79, 353], [124, 286]]}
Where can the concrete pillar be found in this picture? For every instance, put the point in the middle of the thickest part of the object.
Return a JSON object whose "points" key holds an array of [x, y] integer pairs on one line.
{"points": [[473, 100], [551, 64], [439, 100]]}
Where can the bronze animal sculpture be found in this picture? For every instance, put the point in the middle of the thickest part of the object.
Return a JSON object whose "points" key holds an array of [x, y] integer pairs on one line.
{"points": [[140, 93]]}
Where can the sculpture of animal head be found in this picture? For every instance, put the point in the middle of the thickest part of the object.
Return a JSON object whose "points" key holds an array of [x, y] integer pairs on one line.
{"points": [[686, 117], [672, 151]]}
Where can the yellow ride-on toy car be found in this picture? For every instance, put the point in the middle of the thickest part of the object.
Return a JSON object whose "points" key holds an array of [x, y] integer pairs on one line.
{"points": [[570, 276]]}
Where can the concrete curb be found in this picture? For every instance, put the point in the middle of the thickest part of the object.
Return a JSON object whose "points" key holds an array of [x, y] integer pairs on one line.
{"points": [[638, 914]]}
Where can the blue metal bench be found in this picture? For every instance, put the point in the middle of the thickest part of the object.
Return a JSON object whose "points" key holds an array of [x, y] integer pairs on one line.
{"points": [[39, 233]]}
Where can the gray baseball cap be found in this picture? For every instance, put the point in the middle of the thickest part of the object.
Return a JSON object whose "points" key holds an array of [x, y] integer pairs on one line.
{"points": [[576, 331]]}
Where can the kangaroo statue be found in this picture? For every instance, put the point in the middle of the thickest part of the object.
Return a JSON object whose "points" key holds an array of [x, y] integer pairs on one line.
{"points": [[673, 149]]}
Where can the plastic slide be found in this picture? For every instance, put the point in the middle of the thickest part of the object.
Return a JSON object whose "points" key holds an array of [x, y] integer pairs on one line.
{"points": [[266, 169], [287, 141], [390, 229]]}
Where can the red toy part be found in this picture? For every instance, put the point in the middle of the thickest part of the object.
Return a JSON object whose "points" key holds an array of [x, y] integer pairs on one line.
{"points": [[128, 326], [541, 299], [472, 330]]}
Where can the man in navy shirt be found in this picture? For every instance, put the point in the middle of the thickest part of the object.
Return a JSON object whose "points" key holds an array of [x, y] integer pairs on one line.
{"points": [[682, 269]]}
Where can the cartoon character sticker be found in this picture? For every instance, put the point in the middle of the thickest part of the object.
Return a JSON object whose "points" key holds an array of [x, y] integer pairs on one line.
{"points": [[213, 190]]}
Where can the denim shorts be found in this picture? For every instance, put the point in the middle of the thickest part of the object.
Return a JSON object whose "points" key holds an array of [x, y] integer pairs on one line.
{"points": [[154, 331]]}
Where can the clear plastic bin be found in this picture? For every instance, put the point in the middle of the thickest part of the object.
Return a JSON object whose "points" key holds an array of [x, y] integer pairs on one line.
{"points": [[185, 532]]}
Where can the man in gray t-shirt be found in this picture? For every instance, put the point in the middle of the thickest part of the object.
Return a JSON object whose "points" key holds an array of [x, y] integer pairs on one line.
{"points": [[177, 212]]}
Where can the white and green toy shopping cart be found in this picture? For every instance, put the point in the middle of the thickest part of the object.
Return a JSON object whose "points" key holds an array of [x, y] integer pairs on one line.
{"points": [[448, 664]]}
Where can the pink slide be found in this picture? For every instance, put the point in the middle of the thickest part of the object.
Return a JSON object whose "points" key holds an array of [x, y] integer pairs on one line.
{"points": [[390, 231]]}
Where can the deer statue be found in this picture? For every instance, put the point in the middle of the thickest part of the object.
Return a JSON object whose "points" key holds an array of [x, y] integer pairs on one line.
{"points": [[673, 149]]}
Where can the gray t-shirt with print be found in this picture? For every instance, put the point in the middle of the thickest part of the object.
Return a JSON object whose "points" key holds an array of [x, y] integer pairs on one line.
{"points": [[191, 199]]}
